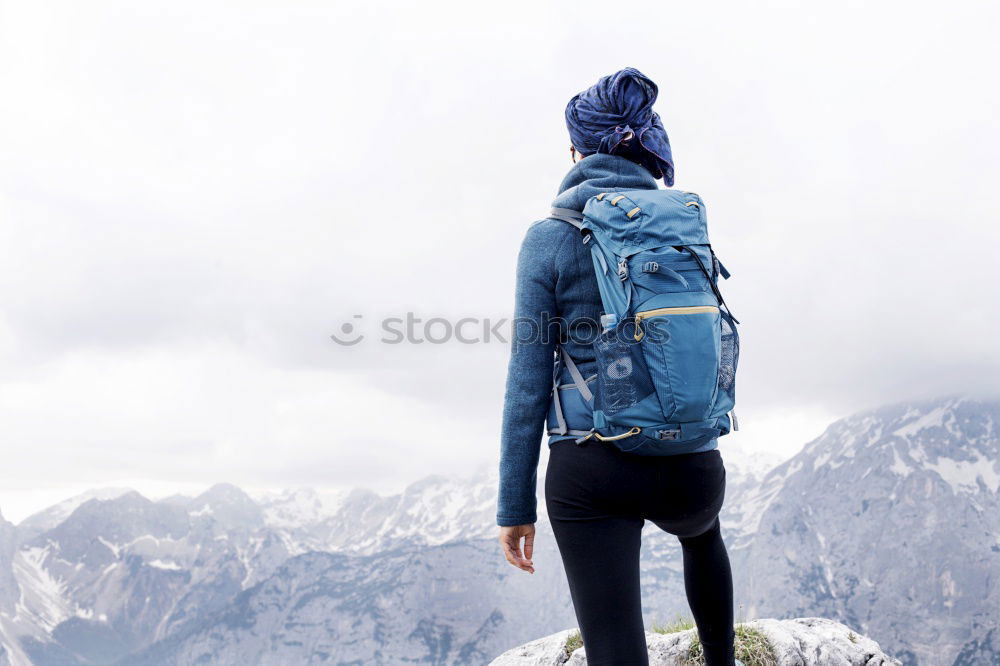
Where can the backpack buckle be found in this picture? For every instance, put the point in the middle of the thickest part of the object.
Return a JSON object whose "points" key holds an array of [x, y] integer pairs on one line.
{"points": [[622, 269], [668, 434]]}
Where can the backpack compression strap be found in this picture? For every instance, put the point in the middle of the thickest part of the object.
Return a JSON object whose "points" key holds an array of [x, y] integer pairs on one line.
{"points": [[578, 382]]}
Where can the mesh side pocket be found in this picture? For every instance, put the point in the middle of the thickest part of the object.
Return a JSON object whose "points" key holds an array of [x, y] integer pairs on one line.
{"points": [[730, 355], [623, 378]]}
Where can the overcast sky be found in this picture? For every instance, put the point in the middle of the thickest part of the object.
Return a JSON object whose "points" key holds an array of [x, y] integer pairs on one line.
{"points": [[195, 195]]}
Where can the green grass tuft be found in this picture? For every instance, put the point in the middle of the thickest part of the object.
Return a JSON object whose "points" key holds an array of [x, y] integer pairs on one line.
{"points": [[574, 642], [680, 623], [752, 649]]}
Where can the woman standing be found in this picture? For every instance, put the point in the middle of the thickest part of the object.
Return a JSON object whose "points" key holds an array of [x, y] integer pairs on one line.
{"points": [[597, 497]]}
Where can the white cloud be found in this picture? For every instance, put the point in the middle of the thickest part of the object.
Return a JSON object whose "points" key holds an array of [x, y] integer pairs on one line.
{"points": [[196, 194]]}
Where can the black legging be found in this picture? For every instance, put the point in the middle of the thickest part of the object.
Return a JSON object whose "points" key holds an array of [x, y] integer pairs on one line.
{"points": [[598, 499]]}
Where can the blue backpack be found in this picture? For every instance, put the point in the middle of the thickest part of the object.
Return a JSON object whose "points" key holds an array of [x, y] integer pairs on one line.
{"points": [[667, 353]]}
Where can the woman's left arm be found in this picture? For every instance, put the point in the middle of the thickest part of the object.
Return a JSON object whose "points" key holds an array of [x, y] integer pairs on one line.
{"points": [[529, 373]]}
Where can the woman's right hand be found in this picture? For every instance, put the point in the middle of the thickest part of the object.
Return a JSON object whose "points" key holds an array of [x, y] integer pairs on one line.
{"points": [[510, 541]]}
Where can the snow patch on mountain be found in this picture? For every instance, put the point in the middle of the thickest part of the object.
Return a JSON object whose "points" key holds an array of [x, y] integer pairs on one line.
{"points": [[898, 466], [43, 598], [168, 565], [916, 422], [965, 476], [294, 508]]}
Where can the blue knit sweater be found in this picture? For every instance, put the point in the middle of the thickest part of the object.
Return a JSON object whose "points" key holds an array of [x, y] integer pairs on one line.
{"points": [[555, 279]]}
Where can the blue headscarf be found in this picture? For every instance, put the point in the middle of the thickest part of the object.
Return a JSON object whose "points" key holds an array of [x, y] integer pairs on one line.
{"points": [[615, 114]]}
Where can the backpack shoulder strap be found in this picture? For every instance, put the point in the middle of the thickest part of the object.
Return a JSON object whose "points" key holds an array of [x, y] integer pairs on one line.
{"points": [[574, 217]]}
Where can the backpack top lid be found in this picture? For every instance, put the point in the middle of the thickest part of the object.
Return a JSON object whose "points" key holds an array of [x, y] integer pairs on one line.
{"points": [[631, 221]]}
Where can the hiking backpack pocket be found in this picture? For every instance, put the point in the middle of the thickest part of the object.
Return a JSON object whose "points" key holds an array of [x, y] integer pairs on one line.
{"points": [[729, 357], [623, 380], [682, 348]]}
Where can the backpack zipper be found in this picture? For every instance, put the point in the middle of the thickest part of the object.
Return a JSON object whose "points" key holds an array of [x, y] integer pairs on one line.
{"points": [[682, 310]]}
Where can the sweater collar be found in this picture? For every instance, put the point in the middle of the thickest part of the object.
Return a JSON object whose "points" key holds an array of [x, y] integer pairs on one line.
{"points": [[598, 173]]}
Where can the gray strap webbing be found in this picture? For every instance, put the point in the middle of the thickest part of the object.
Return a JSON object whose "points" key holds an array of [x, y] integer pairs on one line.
{"points": [[576, 433], [558, 405], [581, 383], [574, 217], [569, 386]]}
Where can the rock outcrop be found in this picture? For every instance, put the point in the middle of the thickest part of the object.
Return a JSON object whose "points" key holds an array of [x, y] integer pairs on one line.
{"points": [[804, 641]]}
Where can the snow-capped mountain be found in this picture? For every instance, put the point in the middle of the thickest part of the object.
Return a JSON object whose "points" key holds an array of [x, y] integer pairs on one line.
{"points": [[456, 603], [55, 514], [117, 574], [890, 522], [111, 575], [886, 522], [432, 511]]}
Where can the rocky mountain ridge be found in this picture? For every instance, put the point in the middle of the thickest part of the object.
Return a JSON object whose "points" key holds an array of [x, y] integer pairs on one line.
{"points": [[887, 522]]}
